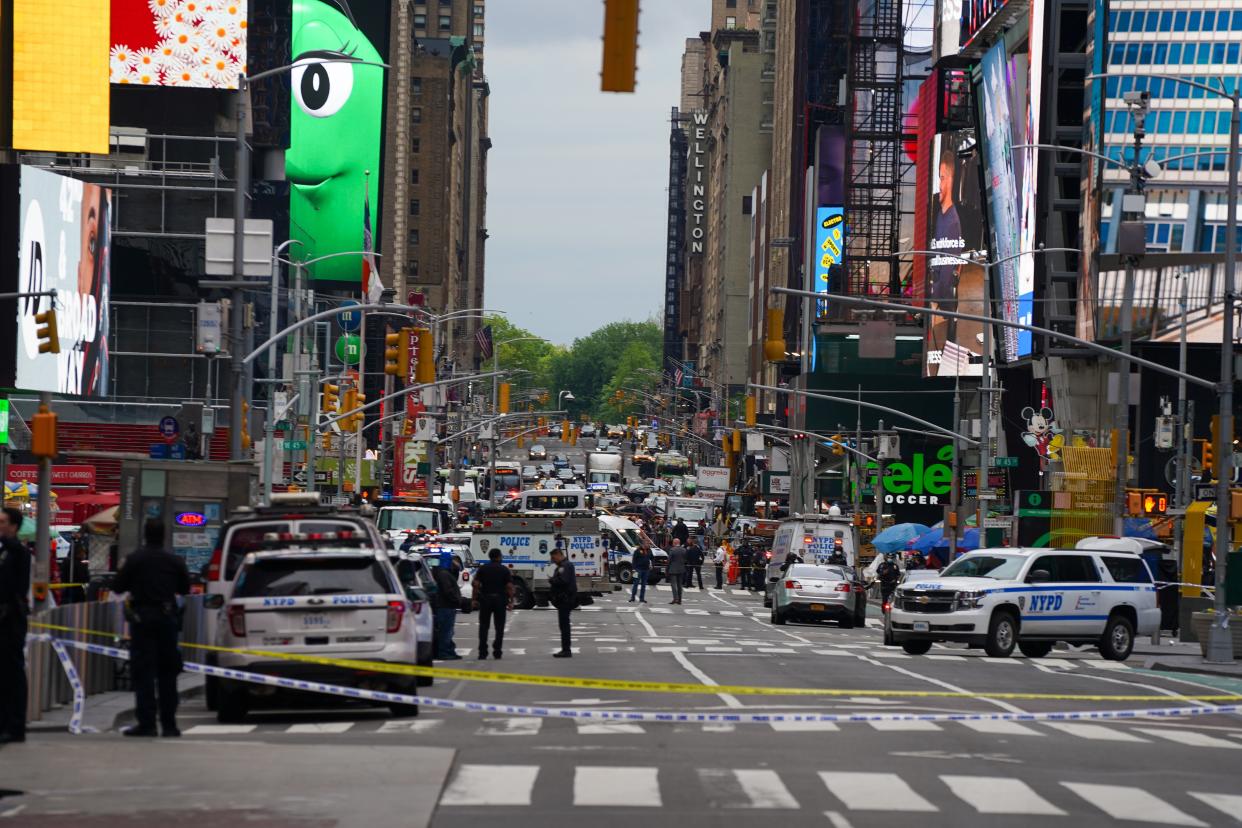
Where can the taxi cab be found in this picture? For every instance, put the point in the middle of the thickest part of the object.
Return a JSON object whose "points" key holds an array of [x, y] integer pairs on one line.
{"points": [[1000, 599]]}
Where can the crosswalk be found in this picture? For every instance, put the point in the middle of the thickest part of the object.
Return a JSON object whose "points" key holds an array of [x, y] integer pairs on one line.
{"points": [[642, 787], [519, 727]]}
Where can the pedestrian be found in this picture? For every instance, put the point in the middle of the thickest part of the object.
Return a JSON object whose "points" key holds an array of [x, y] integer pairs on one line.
{"points": [[563, 585], [681, 532], [14, 591], [493, 597], [745, 557], [676, 569], [77, 570], [153, 577], [718, 559], [447, 601], [694, 563], [641, 561]]}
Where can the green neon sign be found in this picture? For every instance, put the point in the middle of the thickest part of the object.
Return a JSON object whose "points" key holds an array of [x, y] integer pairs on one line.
{"points": [[4, 422]]}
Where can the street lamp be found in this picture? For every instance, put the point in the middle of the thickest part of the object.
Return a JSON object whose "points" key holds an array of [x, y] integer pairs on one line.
{"points": [[566, 395]]}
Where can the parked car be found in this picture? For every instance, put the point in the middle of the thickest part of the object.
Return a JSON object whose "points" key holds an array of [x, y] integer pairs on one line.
{"points": [[818, 591]]}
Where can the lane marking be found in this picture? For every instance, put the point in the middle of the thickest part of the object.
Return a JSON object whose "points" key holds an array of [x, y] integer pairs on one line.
{"points": [[764, 789], [510, 726], [626, 787], [1190, 737], [491, 785], [1000, 727], [898, 725], [804, 727], [320, 727], [1228, 804], [417, 726], [999, 795], [837, 819], [875, 792], [1099, 733], [705, 679], [1124, 802], [646, 625], [607, 728], [218, 730]]}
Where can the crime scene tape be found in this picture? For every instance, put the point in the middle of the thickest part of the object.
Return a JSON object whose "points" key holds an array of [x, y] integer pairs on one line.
{"points": [[631, 686], [75, 682], [662, 716]]}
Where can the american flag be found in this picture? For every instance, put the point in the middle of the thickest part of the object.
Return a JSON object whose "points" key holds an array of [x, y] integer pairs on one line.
{"points": [[484, 338], [677, 377], [372, 288]]}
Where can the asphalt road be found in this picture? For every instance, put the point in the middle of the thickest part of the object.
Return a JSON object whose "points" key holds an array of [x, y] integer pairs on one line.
{"points": [[529, 770]]}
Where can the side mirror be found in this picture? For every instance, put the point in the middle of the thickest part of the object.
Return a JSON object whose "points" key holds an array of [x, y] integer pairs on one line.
{"points": [[1039, 576], [215, 601]]}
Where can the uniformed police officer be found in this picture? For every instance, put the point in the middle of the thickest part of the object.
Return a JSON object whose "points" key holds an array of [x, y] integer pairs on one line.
{"points": [[154, 577], [14, 589], [564, 595]]}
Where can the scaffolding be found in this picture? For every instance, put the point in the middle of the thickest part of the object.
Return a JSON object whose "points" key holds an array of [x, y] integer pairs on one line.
{"points": [[1084, 495]]}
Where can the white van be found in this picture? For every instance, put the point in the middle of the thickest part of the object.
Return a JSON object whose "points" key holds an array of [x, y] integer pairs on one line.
{"points": [[551, 500], [623, 537], [1137, 546], [813, 539]]}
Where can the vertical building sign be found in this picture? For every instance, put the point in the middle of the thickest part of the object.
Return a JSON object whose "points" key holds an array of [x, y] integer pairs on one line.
{"points": [[696, 183]]}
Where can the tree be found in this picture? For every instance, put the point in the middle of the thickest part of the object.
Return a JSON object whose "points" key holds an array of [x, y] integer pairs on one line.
{"points": [[588, 368], [530, 357]]}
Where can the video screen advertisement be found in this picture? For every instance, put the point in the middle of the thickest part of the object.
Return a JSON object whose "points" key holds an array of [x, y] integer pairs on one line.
{"points": [[59, 227], [955, 226], [178, 43]]}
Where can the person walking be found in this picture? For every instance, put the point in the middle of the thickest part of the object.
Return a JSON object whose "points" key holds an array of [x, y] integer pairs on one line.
{"points": [[14, 592], [447, 601], [676, 569], [493, 597], [563, 585], [642, 561], [154, 578], [694, 563], [718, 559]]}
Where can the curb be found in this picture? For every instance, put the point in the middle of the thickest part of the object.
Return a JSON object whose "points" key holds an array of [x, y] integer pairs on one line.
{"points": [[1200, 670], [124, 715]]}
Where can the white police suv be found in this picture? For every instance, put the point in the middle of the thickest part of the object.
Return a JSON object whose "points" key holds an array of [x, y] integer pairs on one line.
{"points": [[1029, 598]]}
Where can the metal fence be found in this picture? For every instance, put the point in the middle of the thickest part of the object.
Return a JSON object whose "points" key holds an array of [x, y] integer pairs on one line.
{"points": [[1157, 293], [99, 622]]}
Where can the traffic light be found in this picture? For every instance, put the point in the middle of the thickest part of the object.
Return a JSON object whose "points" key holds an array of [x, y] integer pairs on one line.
{"points": [[503, 403], [49, 339], [397, 353], [1134, 503], [330, 398], [1209, 457], [737, 441], [774, 345], [355, 420], [348, 403], [620, 63], [750, 412], [245, 424], [43, 433], [425, 369], [564, 431]]}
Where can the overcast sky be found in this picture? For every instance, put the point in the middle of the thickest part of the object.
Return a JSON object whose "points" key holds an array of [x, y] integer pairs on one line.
{"points": [[577, 179]]}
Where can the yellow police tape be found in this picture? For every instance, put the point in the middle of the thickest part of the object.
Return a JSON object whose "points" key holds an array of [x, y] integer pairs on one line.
{"points": [[654, 686]]}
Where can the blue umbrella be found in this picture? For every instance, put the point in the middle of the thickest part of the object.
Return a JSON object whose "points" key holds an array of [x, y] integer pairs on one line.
{"points": [[896, 537], [936, 539]]}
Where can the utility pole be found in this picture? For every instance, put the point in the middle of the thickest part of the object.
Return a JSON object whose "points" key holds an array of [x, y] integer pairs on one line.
{"points": [[1181, 482], [983, 491], [241, 183], [882, 456], [955, 484]]}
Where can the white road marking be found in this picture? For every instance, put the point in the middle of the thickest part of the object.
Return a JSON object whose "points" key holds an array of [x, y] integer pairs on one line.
{"points": [[946, 657], [785, 650], [697, 612], [659, 641], [734, 613], [1229, 804], [705, 679], [719, 727], [218, 730], [803, 727], [1000, 727], [415, 726], [617, 787], [491, 785], [669, 649], [1096, 732], [702, 640], [997, 795], [1189, 737], [320, 727], [646, 625], [662, 610], [837, 819], [510, 726], [1124, 802], [723, 649], [875, 792], [831, 652], [757, 788], [899, 724], [607, 728]]}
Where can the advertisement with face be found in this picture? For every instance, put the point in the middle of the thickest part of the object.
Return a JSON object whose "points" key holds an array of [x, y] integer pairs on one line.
{"points": [[64, 234], [1002, 189], [335, 130], [955, 226]]}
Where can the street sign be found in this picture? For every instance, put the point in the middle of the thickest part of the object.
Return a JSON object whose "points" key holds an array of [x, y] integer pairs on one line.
{"points": [[177, 451], [1006, 463], [4, 422], [283, 425], [158, 451], [349, 349], [995, 523], [170, 428], [1205, 493], [294, 445], [348, 320]]}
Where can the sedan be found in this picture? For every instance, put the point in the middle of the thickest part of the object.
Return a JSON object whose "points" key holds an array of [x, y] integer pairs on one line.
{"points": [[560, 461], [813, 591], [565, 475], [530, 474], [537, 452], [547, 469]]}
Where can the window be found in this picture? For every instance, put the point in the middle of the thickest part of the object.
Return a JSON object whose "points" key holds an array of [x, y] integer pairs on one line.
{"points": [[1209, 21], [1237, 21], [730, 22], [446, 22], [1145, 54], [730, 4], [478, 9], [413, 236], [1137, 25], [416, 114], [304, 576], [1192, 25], [414, 207], [414, 176], [1205, 54], [1179, 21], [1175, 55], [420, 21], [1127, 570], [416, 87], [1153, 21], [1123, 21], [1179, 122], [1162, 122], [746, 205], [1166, 21], [1132, 53], [416, 145], [478, 29], [1066, 569], [411, 268], [1231, 54], [1162, 53]]}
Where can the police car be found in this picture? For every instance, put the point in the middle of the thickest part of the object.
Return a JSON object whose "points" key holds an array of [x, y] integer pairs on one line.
{"points": [[1000, 599]]}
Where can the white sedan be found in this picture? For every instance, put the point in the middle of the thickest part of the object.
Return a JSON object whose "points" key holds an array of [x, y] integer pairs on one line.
{"points": [[813, 591]]}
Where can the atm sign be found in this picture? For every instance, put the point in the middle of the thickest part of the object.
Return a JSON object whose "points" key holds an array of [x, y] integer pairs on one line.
{"points": [[191, 519]]}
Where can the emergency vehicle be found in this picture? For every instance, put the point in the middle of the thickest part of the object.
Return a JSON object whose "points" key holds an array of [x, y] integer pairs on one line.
{"points": [[813, 539], [526, 541]]}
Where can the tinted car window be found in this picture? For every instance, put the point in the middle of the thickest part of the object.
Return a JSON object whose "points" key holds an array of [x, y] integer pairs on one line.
{"points": [[1065, 569], [999, 567], [303, 576], [246, 539], [824, 573], [1127, 570]]}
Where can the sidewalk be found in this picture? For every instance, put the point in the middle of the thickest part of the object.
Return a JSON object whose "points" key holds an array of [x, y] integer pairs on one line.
{"points": [[107, 711], [1173, 656]]}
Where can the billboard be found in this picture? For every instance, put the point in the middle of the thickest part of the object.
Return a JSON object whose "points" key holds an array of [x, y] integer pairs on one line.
{"points": [[954, 227], [65, 245], [336, 123], [829, 245], [60, 75], [178, 43]]}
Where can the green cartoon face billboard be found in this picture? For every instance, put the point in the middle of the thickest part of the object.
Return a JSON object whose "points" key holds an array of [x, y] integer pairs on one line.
{"points": [[335, 127]]}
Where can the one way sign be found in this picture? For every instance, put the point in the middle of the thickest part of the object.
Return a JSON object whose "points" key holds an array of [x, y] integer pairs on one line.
{"points": [[1205, 492]]}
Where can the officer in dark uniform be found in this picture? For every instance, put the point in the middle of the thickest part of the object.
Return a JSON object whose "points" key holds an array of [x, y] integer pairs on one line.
{"points": [[493, 597], [564, 589], [14, 589], [154, 577]]}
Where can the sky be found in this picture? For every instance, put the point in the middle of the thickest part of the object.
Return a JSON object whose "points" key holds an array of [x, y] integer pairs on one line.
{"points": [[577, 179]]}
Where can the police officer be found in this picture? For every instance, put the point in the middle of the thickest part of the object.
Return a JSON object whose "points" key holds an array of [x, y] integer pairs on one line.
{"points": [[153, 577], [888, 574], [493, 597], [14, 589], [745, 559], [447, 601], [564, 596]]}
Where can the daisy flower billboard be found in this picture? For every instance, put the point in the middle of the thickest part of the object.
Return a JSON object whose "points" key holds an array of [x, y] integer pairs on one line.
{"points": [[197, 43]]}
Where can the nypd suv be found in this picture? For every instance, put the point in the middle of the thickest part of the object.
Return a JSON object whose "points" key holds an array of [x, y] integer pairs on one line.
{"points": [[1029, 598]]}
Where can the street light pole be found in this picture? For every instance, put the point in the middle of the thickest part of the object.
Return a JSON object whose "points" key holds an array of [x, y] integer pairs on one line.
{"points": [[241, 183]]}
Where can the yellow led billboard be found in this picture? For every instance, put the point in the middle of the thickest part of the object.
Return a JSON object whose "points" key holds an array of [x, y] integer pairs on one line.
{"points": [[60, 75]]}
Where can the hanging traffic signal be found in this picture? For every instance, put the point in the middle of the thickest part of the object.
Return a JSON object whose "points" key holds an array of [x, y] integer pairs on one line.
{"points": [[751, 418], [49, 339], [348, 403], [397, 353], [425, 368], [502, 404], [1209, 458], [564, 431], [774, 345], [737, 441], [330, 398], [359, 415], [43, 433], [620, 61]]}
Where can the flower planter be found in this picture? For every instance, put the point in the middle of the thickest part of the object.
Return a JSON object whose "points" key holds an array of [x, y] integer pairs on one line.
{"points": [[1202, 620]]}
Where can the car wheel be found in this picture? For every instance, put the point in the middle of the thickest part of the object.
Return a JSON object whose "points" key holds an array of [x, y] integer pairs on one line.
{"points": [[232, 703], [916, 647], [1002, 634], [778, 617], [522, 596], [1035, 649], [767, 602], [403, 711], [625, 575], [1118, 639]]}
